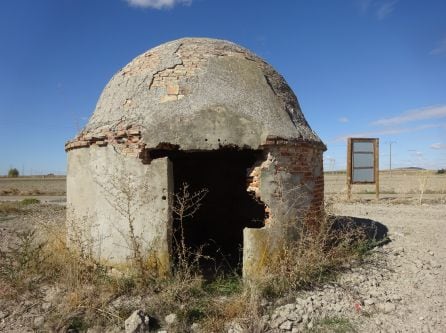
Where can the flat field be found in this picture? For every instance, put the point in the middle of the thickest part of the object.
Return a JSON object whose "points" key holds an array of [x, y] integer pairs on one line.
{"points": [[402, 185], [33, 186]]}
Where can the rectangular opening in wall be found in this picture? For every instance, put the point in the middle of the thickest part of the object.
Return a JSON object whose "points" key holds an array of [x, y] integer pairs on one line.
{"points": [[226, 209]]}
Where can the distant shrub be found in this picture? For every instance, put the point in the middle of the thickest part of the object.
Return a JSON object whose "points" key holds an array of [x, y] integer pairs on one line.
{"points": [[441, 171], [13, 172], [29, 201]]}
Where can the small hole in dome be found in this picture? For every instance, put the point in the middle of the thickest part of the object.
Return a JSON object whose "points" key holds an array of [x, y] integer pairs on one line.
{"points": [[205, 139], [164, 197], [218, 140]]}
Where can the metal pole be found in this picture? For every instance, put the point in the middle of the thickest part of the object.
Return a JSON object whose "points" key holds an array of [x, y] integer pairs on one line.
{"points": [[349, 169], [390, 156], [376, 167]]}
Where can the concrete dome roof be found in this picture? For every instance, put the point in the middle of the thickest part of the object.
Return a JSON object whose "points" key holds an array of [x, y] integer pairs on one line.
{"points": [[201, 93]]}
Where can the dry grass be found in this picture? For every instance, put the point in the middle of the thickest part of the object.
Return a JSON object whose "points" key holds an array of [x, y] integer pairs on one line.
{"points": [[317, 256], [400, 185], [88, 291], [9, 208], [35, 261], [10, 191], [15, 207], [36, 185]]}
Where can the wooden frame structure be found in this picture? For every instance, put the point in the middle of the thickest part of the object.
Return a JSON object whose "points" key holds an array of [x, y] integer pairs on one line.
{"points": [[362, 163]]}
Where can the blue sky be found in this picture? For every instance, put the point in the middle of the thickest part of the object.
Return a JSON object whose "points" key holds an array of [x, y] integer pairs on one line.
{"points": [[373, 68]]}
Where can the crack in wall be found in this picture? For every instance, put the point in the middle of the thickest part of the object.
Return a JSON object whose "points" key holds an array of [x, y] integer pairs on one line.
{"points": [[158, 73]]}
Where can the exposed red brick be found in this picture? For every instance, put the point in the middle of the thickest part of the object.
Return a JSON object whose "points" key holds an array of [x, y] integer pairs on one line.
{"points": [[126, 138]]}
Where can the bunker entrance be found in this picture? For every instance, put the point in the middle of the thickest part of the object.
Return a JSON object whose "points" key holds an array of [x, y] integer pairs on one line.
{"points": [[227, 208]]}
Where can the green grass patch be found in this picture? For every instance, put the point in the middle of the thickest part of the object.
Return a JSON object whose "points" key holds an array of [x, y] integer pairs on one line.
{"points": [[29, 201], [333, 325], [224, 285]]}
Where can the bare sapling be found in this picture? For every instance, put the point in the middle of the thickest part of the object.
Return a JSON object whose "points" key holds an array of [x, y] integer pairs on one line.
{"points": [[186, 205]]}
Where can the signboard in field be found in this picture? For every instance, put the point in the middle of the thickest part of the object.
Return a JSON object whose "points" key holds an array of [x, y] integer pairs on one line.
{"points": [[362, 162]]}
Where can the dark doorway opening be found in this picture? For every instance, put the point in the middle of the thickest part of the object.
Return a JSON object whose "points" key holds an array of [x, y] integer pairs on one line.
{"points": [[217, 227]]}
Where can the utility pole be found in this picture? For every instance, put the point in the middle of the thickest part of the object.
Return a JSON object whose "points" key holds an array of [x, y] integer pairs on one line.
{"points": [[390, 155]]}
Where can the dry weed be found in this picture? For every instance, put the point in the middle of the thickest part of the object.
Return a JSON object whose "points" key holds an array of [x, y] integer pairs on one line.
{"points": [[185, 206], [87, 287], [423, 178], [316, 255], [9, 208]]}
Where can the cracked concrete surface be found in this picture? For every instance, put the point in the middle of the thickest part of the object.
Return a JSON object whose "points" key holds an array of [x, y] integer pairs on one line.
{"points": [[175, 90]]}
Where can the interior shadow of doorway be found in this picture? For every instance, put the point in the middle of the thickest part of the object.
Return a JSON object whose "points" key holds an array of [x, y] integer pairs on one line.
{"points": [[216, 229]]}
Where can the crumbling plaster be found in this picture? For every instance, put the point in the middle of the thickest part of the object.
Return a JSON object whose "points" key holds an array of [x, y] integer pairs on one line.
{"points": [[193, 94], [215, 85]]}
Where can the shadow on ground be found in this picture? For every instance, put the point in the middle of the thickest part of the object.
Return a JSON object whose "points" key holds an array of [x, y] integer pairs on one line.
{"points": [[374, 231]]}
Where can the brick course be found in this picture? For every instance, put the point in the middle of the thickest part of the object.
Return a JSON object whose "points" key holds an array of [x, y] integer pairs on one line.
{"points": [[126, 139]]}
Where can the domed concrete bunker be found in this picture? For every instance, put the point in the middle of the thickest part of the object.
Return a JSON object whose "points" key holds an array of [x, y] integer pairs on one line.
{"points": [[196, 116]]}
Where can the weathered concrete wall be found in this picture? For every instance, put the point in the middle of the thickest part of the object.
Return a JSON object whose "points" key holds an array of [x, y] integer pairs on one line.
{"points": [[291, 183], [191, 94], [107, 191]]}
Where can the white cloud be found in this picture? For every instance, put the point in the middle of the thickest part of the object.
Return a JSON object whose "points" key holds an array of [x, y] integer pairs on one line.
{"points": [[158, 4], [385, 9], [381, 8], [343, 120], [438, 145], [431, 112], [440, 48], [389, 131]]}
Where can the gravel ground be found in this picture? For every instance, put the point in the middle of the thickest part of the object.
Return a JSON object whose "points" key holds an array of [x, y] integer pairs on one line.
{"points": [[401, 286], [415, 273]]}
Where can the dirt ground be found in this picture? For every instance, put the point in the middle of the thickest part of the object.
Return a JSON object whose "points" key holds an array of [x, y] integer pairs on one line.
{"points": [[403, 289], [414, 270]]}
